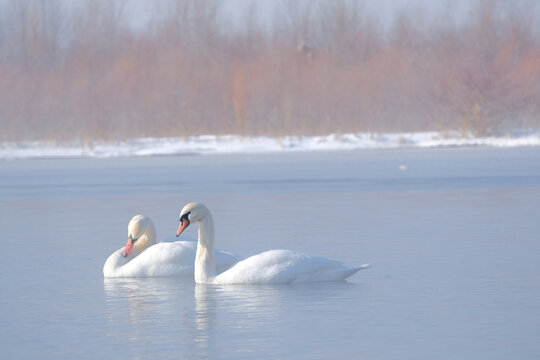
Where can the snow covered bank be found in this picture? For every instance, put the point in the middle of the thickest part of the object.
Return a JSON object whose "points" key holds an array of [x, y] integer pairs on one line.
{"points": [[256, 144]]}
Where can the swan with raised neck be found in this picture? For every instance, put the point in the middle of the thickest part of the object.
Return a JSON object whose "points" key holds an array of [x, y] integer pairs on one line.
{"points": [[205, 269], [269, 267]]}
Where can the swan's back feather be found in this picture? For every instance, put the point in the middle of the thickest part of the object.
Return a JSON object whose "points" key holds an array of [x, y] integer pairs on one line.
{"points": [[284, 266]]}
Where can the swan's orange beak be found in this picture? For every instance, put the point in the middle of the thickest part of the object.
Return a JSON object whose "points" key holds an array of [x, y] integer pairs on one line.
{"points": [[184, 223], [129, 247]]}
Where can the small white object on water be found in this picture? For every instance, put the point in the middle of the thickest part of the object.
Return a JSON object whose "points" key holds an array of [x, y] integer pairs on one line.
{"points": [[402, 167]]}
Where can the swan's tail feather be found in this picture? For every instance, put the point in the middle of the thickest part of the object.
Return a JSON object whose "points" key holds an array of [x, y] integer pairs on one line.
{"points": [[343, 274], [331, 275]]}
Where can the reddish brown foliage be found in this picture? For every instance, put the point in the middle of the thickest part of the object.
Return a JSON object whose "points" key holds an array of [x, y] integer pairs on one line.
{"points": [[327, 68]]}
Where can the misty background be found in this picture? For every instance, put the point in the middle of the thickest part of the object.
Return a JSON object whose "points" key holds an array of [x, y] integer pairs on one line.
{"points": [[113, 70]]}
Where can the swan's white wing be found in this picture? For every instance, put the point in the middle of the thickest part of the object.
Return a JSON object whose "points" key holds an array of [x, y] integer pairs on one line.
{"points": [[284, 266]]}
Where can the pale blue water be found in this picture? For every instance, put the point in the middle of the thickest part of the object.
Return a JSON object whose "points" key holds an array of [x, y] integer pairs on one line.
{"points": [[454, 241]]}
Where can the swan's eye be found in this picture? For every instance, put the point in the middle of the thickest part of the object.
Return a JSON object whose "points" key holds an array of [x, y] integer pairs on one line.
{"points": [[185, 217]]}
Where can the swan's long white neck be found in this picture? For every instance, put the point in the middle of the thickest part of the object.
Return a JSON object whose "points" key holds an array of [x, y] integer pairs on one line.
{"points": [[144, 242], [205, 265]]}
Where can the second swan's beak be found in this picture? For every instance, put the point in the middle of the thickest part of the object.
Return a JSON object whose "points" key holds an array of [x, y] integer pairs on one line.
{"points": [[184, 223], [129, 247]]}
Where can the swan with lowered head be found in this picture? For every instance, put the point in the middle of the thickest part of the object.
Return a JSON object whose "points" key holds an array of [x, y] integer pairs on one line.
{"points": [[269, 267], [143, 257]]}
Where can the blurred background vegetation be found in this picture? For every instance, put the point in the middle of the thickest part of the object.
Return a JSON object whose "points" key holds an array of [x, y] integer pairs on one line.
{"points": [[84, 72]]}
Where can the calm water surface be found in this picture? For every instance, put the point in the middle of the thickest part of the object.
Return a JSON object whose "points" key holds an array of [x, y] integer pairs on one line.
{"points": [[454, 241]]}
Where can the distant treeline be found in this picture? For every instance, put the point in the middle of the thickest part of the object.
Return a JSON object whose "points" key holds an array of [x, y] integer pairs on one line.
{"points": [[83, 72]]}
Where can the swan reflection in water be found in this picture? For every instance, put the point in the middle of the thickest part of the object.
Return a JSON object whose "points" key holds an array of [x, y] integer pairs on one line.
{"points": [[199, 320], [161, 313]]}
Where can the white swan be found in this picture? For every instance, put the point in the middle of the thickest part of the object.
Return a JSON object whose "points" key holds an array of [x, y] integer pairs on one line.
{"points": [[143, 257], [269, 267]]}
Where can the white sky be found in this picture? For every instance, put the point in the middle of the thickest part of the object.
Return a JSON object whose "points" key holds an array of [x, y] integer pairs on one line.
{"points": [[383, 10]]}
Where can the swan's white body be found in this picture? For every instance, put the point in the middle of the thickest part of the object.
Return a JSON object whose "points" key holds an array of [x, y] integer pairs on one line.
{"points": [[151, 259], [269, 267]]}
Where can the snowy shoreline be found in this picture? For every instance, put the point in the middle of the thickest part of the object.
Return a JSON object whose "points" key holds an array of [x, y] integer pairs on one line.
{"points": [[227, 144]]}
